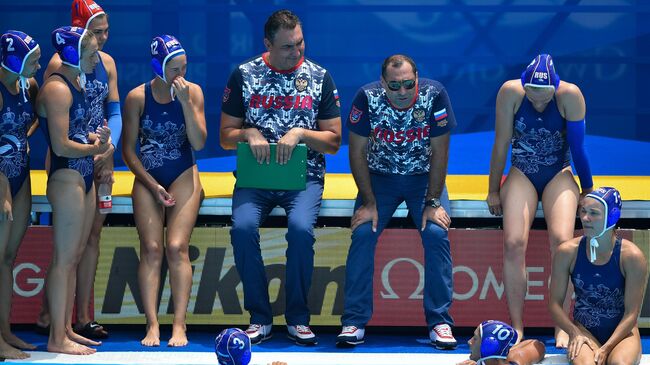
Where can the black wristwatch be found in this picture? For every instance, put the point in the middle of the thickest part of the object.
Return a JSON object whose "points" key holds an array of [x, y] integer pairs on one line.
{"points": [[433, 203]]}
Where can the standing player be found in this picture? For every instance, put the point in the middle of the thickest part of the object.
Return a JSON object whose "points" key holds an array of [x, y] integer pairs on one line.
{"points": [[166, 115], [280, 97], [18, 89], [399, 148], [543, 118], [102, 95], [65, 113]]}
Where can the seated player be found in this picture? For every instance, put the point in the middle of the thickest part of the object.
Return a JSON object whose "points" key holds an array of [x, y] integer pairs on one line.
{"points": [[495, 343]]}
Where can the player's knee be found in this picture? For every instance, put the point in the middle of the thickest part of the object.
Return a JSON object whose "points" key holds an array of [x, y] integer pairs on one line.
{"points": [[151, 251], [177, 251], [514, 247]]}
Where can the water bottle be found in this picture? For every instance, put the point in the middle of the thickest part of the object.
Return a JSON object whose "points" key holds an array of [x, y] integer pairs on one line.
{"points": [[105, 198]]}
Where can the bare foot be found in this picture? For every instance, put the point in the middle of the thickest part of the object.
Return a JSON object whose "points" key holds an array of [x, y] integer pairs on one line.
{"points": [[152, 338], [561, 339], [9, 352], [179, 338], [16, 342], [69, 347], [80, 339]]}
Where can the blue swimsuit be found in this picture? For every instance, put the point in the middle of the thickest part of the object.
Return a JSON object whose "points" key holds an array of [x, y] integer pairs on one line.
{"points": [[15, 119], [600, 292], [96, 94], [165, 151], [539, 146], [77, 132]]}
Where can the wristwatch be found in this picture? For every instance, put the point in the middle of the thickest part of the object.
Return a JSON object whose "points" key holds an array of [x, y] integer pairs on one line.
{"points": [[433, 203]]}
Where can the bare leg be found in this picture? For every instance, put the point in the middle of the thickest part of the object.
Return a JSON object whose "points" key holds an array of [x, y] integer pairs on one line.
{"points": [[66, 193], [88, 220], [11, 234], [560, 202], [519, 201], [181, 219], [43, 319], [86, 272], [585, 355], [628, 351], [148, 216]]}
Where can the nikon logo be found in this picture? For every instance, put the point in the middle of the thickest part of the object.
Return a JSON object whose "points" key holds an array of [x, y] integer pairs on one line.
{"points": [[214, 281]]}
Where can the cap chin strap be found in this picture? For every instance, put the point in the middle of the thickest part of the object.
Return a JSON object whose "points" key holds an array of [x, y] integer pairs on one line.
{"points": [[593, 242], [82, 79], [171, 88], [23, 84], [593, 245]]}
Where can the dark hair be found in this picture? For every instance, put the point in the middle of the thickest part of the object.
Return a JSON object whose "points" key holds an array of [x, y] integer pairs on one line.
{"points": [[397, 60], [281, 19]]}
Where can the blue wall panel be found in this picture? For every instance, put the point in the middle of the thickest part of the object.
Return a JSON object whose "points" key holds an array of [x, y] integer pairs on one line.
{"points": [[472, 46]]}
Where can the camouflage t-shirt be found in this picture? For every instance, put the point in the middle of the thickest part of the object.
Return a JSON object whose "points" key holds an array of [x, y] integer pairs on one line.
{"points": [[275, 101], [400, 138]]}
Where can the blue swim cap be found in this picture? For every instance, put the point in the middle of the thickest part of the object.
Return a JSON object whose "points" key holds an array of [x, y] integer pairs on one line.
{"points": [[541, 73], [67, 42], [163, 49], [16, 47], [496, 340], [611, 199], [233, 347]]}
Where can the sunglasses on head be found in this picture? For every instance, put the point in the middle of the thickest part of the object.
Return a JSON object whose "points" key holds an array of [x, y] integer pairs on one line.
{"points": [[396, 85]]}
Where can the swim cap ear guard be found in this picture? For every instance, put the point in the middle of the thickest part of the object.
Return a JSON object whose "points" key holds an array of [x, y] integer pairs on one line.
{"points": [[15, 49], [163, 49], [496, 340], [67, 42], [541, 73], [610, 198]]}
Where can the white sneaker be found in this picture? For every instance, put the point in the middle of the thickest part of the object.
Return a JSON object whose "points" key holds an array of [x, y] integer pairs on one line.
{"points": [[302, 335], [258, 332], [442, 338], [350, 336]]}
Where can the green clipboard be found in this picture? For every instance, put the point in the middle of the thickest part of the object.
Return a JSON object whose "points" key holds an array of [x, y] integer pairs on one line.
{"points": [[290, 176]]}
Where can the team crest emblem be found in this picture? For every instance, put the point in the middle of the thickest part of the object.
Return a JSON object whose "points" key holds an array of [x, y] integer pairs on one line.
{"points": [[419, 115], [355, 115], [301, 83], [442, 123], [226, 94]]}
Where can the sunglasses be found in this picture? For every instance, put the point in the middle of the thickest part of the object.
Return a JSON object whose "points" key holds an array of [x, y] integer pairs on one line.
{"points": [[396, 85]]}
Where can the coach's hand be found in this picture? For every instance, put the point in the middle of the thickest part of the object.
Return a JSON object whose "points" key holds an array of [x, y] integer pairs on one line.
{"points": [[438, 216], [286, 144], [259, 145], [365, 213]]}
